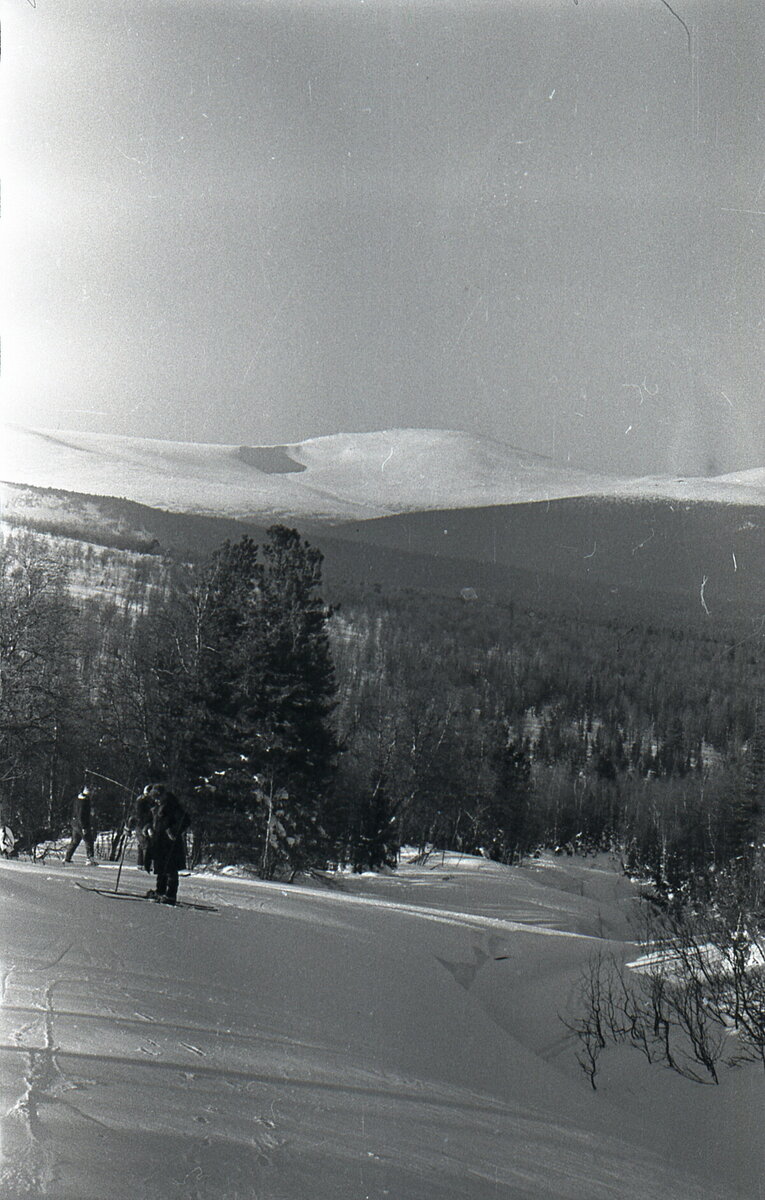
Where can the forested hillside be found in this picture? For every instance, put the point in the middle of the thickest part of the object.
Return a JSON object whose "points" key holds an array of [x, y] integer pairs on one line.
{"points": [[463, 722]]}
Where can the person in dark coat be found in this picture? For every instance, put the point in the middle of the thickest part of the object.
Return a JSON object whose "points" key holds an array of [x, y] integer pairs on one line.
{"points": [[140, 823], [82, 827], [168, 847]]}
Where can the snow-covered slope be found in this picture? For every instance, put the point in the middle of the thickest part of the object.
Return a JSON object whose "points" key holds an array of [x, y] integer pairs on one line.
{"points": [[387, 1037], [754, 478], [335, 478]]}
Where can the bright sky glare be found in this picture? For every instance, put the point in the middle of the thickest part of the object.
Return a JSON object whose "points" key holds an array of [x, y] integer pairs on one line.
{"points": [[259, 222]]}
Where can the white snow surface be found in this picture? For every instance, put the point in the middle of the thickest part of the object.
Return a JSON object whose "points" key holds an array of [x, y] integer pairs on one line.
{"points": [[339, 477], [393, 1035]]}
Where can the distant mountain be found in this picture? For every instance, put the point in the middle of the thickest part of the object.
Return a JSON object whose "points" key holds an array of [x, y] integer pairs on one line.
{"points": [[337, 478], [425, 508]]}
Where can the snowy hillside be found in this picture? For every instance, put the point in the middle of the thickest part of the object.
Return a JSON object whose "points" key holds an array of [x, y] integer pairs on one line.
{"points": [[384, 1037], [337, 478]]}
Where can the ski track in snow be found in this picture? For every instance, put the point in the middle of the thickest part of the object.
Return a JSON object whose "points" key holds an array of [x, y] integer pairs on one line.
{"points": [[34, 1167], [143, 1069], [421, 912]]}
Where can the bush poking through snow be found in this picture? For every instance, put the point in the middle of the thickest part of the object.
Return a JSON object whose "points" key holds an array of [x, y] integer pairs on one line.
{"points": [[694, 1001]]}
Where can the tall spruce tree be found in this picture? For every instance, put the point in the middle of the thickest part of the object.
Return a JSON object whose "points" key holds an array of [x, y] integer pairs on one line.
{"points": [[264, 697], [296, 745], [223, 614]]}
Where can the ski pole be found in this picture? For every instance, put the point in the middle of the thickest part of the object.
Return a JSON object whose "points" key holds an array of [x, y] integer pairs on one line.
{"points": [[122, 859], [117, 783], [109, 780]]}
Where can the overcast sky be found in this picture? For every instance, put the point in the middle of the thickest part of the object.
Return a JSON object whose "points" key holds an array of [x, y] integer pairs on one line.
{"points": [[265, 220]]}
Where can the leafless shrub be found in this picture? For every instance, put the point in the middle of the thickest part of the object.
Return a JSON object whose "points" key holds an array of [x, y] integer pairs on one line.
{"points": [[695, 1001], [591, 1027]]}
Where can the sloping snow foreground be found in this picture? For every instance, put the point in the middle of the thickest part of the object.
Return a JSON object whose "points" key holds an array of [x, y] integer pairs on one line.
{"points": [[384, 1036]]}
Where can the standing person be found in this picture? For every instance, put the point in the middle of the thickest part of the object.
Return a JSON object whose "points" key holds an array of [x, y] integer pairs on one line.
{"points": [[140, 822], [168, 848], [7, 842], [82, 827]]}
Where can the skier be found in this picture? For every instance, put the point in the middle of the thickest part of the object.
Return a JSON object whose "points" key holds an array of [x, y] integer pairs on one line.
{"points": [[140, 822], [82, 827], [168, 850], [7, 842]]}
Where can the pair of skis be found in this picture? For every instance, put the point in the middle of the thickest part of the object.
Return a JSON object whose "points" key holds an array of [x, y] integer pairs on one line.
{"points": [[89, 887]]}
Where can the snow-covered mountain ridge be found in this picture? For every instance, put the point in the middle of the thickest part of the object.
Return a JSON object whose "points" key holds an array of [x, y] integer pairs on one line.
{"points": [[339, 477]]}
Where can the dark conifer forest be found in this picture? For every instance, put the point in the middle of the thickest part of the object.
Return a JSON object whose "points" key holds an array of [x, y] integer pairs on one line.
{"points": [[306, 730]]}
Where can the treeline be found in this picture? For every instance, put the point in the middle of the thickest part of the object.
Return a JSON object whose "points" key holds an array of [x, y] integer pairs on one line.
{"points": [[221, 684], [501, 728], [303, 736]]}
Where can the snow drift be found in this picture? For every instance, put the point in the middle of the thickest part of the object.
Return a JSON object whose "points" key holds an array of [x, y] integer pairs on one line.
{"points": [[386, 1036]]}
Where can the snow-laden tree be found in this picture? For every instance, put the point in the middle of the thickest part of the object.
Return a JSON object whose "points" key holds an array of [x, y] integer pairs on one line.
{"points": [[259, 689]]}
